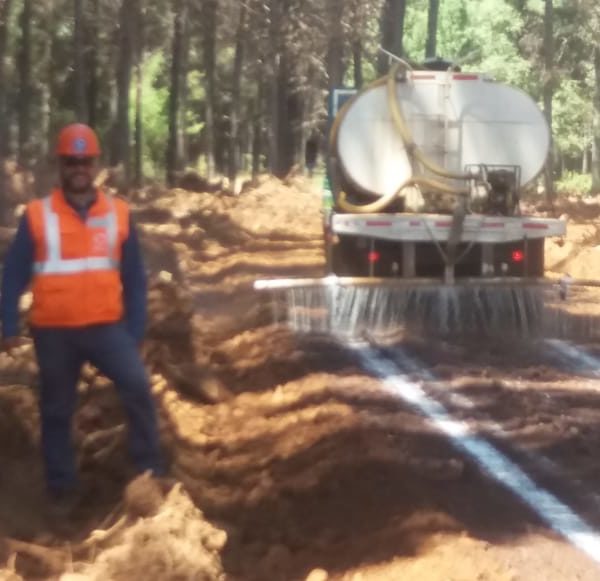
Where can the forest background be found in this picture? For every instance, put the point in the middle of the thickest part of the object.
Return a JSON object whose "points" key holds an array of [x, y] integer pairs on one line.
{"points": [[227, 87]]}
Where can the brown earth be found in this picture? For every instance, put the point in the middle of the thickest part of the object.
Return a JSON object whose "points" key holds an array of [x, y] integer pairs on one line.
{"points": [[292, 463]]}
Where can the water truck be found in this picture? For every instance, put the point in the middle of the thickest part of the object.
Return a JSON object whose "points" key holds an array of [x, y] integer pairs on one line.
{"points": [[426, 170]]}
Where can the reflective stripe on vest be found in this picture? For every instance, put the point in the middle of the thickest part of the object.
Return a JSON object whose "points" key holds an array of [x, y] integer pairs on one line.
{"points": [[54, 264]]}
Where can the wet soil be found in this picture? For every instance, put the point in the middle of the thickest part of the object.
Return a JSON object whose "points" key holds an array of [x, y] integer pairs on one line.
{"points": [[282, 441]]}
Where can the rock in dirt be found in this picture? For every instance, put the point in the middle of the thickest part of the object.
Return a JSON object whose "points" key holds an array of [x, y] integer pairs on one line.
{"points": [[143, 496], [318, 575], [7, 575], [176, 543], [276, 562]]}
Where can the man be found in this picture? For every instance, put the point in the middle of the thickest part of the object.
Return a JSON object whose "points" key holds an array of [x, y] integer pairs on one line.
{"points": [[79, 251]]}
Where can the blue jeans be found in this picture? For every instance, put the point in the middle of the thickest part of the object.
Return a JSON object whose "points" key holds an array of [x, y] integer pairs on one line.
{"points": [[61, 354]]}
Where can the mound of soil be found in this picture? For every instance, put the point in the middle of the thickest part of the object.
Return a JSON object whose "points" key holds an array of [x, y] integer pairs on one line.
{"points": [[290, 462]]}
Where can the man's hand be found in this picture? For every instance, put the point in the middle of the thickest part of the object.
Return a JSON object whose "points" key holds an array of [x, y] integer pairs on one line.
{"points": [[9, 344]]}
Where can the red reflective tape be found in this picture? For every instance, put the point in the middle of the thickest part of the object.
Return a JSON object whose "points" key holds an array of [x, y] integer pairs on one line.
{"points": [[494, 225], [465, 77], [423, 77], [414, 223], [377, 223], [442, 224], [535, 226]]}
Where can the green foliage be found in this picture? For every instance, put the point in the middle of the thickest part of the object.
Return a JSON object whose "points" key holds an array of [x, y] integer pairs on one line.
{"points": [[574, 183], [503, 38], [477, 34], [155, 106], [494, 37], [572, 118], [193, 123], [155, 102]]}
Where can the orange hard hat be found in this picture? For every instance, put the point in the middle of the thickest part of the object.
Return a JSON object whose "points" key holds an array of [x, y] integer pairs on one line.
{"points": [[78, 140]]}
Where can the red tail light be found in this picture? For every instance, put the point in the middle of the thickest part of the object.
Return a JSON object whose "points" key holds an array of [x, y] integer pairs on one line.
{"points": [[374, 256], [518, 256]]}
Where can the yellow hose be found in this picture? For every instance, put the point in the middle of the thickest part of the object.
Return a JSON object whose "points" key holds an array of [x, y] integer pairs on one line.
{"points": [[406, 135], [411, 147], [382, 203]]}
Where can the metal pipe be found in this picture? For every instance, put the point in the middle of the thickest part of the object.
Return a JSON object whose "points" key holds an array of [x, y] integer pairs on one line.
{"points": [[348, 281]]}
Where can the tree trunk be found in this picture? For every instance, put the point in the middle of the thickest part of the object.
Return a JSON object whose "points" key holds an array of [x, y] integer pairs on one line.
{"points": [[138, 154], [283, 106], [5, 7], [236, 83], [113, 94], [185, 63], [391, 25], [287, 115], [549, 91], [432, 25], [210, 51], [121, 154], [52, 75], [92, 66], [596, 124], [357, 53], [274, 89], [79, 54], [139, 53], [173, 147], [45, 128], [257, 130], [24, 65], [335, 51]]}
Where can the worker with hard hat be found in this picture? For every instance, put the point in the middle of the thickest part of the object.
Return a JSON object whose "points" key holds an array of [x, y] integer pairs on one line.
{"points": [[78, 250]]}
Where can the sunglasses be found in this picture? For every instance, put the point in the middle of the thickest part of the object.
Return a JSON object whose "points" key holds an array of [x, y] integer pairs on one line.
{"points": [[78, 161]]}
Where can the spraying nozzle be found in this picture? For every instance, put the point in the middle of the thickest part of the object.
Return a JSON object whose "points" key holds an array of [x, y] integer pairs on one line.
{"points": [[564, 285]]}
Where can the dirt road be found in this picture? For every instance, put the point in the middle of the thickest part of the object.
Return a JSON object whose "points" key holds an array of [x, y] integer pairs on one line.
{"points": [[290, 446]]}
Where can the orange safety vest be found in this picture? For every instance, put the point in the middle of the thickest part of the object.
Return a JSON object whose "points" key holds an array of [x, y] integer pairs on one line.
{"points": [[76, 278]]}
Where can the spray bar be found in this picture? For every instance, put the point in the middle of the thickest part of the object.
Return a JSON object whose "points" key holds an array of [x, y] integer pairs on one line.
{"points": [[353, 281]]}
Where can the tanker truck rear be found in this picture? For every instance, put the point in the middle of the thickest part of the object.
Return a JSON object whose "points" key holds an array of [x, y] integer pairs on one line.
{"points": [[426, 169]]}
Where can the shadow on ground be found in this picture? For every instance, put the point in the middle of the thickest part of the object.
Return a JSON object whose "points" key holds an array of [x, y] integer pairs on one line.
{"points": [[328, 471]]}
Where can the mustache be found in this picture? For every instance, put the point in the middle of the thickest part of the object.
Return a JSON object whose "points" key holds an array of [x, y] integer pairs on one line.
{"points": [[79, 182], [79, 174]]}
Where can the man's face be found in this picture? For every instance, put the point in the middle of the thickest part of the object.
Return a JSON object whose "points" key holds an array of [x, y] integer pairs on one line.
{"points": [[77, 174]]}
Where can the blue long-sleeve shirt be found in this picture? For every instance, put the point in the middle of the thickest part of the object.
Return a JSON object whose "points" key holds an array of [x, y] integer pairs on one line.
{"points": [[18, 271]]}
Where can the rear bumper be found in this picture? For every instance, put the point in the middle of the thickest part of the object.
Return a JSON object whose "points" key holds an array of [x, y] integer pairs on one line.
{"points": [[436, 227]]}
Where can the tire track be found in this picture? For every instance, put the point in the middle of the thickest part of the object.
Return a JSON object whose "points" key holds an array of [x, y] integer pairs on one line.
{"points": [[395, 375]]}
